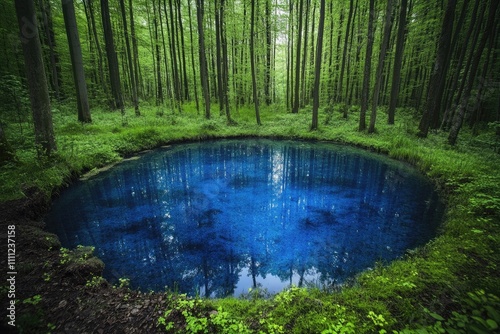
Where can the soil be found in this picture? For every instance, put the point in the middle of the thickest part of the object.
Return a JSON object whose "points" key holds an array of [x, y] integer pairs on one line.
{"points": [[52, 293]]}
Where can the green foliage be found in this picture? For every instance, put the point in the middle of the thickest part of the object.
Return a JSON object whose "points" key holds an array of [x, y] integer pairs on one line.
{"points": [[410, 295]]}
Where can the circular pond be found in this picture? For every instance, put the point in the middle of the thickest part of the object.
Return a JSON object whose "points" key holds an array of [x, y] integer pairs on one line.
{"points": [[220, 217]]}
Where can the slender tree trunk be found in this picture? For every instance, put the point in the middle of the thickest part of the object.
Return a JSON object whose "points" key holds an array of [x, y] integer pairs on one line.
{"points": [[114, 72], [296, 95], [380, 66], [218, 55], [100, 62], [183, 50], [462, 107], [339, 92], [252, 63], [133, 78], [317, 66], [6, 152], [55, 68], [267, 73], [438, 75], [173, 53], [76, 61], [304, 57], [159, 82], [35, 75], [225, 65], [135, 50], [398, 61], [195, 85], [203, 58], [367, 69]]}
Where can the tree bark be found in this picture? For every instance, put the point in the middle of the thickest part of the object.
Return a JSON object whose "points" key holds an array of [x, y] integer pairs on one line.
{"points": [[317, 66], [367, 69], [75, 52], [203, 57], [114, 71], [340, 88], [380, 66], [296, 95], [252, 63], [55, 68], [437, 78], [35, 76], [462, 107], [133, 81], [398, 61]]}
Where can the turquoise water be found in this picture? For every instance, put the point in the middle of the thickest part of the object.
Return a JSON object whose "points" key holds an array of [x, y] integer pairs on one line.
{"points": [[219, 217]]}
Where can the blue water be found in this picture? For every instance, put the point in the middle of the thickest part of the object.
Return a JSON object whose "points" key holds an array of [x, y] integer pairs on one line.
{"points": [[220, 217]]}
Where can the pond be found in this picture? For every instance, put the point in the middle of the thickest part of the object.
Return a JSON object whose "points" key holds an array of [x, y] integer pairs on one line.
{"points": [[220, 217]]}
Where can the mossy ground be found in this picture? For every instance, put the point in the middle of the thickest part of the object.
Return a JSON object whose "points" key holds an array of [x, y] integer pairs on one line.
{"points": [[451, 284]]}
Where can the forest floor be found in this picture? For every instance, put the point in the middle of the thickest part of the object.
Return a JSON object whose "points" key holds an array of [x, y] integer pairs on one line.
{"points": [[51, 291]]}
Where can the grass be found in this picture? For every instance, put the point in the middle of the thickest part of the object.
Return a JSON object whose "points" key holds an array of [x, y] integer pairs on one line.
{"points": [[450, 284]]}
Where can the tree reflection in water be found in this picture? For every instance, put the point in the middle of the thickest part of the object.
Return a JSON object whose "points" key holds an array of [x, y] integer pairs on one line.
{"points": [[220, 217]]}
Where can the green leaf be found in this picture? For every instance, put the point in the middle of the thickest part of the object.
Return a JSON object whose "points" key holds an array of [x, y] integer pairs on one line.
{"points": [[492, 324], [436, 316]]}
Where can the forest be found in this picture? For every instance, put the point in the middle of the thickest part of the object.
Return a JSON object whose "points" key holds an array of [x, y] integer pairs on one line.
{"points": [[85, 84]]}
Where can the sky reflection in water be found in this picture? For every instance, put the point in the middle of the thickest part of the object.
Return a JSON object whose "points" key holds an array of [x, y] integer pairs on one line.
{"points": [[220, 217]]}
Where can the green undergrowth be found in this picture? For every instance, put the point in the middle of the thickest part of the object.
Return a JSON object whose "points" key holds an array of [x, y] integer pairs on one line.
{"points": [[450, 285]]}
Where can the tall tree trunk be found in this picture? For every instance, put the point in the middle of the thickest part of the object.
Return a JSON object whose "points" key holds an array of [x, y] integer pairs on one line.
{"points": [[100, 66], [398, 61], [133, 78], [462, 107], [438, 76], [75, 52], [267, 72], [35, 75], [317, 66], [55, 68], [195, 85], [135, 50], [340, 86], [203, 57], [218, 55], [159, 81], [114, 71], [252, 63], [367, 69], [304, 57], [296, 95], [225, 65], [380, 67], [183, 50], [173, 53]]}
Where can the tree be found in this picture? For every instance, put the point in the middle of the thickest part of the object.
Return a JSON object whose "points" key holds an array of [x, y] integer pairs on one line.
{"points": [[50, 42], [203, 57], [76, 61], [252, 62], [462, 107], [296, 95], [338, 93], [114, 71], [317, 66], [367, 69], [398, 61], [438, 75], [380, 66], [131, 69], [35, 75]]}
